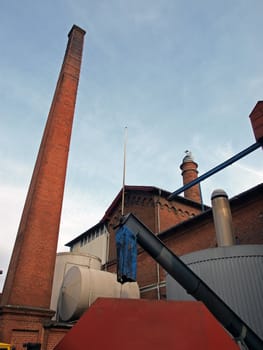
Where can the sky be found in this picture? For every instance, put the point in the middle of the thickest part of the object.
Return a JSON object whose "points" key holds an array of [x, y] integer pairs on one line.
{"points": [[180, 74]]}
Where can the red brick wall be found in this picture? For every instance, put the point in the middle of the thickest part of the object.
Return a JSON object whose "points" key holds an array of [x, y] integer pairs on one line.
{"points": [[52, 336], [22, 325], [198, 234], [142, 205], [172, 213], [248, 220], [153, 210]]}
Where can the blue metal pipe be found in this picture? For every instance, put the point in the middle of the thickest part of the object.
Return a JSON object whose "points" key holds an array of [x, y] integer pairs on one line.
{"points": [[216, 169]]}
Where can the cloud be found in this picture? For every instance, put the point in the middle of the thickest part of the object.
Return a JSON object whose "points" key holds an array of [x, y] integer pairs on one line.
{"points": [[11, 204], [234, 179], [179, 76], [80, 212]]}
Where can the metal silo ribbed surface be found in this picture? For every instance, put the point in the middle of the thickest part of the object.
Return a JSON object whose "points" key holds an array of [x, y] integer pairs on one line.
{"points": [[235, 273]]}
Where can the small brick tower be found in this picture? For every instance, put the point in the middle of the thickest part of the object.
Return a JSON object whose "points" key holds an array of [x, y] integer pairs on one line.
{"points": [[189, 173], [27, 291]]}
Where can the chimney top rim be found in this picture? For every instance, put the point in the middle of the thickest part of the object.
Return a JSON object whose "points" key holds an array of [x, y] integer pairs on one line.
{"points": [[75, 27], [218, 193]]}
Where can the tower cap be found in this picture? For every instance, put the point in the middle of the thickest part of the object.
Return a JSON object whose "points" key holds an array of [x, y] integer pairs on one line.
{"points": [[218, 193], [75, 27]]}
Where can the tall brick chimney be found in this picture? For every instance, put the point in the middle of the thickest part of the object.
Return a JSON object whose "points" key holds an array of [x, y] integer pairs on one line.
{"points": [[189, 173], [29, 279]]}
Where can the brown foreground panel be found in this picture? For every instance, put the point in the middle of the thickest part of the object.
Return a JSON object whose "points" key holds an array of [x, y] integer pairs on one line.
{"points": [[147, 324]]}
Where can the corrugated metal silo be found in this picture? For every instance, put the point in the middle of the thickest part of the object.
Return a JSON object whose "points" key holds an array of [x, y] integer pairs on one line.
{"points": [[235, 273]]}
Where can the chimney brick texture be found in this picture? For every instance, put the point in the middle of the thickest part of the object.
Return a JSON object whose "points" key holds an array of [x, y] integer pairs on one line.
{"points": [[256, 118], [30, 273], [189, 173]]}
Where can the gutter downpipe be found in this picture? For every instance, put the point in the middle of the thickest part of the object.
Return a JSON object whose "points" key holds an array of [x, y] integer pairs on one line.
{"points": [[192, 283], [107, 250]]}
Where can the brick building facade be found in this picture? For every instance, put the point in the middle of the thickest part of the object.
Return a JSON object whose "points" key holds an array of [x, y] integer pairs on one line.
{"points": [[183, 224]]}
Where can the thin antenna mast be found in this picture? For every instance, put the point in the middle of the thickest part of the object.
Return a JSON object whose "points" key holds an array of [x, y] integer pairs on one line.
{"points": [[124, 170]]}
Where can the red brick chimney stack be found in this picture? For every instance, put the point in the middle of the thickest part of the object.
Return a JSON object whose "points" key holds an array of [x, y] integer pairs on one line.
{"points": [[256, 118], [30, 273], [189, 173]]}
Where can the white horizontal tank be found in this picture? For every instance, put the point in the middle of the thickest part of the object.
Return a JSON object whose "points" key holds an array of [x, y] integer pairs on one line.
{"points": [[64, 261], [82, 286]]}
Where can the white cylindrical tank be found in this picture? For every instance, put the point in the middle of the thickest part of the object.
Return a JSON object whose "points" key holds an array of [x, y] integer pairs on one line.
{"points": [[82, 286], [64, 261]]}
